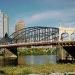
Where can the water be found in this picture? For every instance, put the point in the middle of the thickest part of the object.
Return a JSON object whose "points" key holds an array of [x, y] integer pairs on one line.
{"points": [[40, 59]]}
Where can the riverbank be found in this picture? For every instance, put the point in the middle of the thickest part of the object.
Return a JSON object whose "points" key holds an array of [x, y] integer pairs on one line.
{"points": [[38, 69]]}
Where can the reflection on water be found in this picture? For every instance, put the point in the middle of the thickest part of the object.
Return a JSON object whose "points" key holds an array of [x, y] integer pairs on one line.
{"points": [[40, 59]]}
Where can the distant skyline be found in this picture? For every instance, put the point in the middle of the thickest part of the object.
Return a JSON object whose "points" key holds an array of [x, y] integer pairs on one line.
{"points": [[39, 12]]}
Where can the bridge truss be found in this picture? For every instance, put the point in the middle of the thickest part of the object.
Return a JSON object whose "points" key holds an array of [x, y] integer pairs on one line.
{"points": [[35, 34]]}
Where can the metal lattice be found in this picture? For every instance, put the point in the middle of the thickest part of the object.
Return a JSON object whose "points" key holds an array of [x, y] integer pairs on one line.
{"points": [[34, 34]]}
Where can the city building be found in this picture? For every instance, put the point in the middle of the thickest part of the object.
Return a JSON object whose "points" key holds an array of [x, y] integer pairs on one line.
{"points": [[19, 25], [4, 26]]}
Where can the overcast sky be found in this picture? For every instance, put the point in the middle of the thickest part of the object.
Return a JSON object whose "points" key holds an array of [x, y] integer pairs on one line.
{"points": [[39, 12]]}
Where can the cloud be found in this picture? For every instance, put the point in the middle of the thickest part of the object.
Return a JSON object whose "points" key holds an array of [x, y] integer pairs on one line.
{"points": [[43, 15], [64, 16]]}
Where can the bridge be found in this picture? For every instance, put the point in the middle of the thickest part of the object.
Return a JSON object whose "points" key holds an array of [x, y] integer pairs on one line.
{"points": [[60, 43], [40, 36]]}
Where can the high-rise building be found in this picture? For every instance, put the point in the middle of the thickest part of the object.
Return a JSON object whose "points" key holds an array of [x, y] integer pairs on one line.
{"points": [[4, 26], [19, 25]]}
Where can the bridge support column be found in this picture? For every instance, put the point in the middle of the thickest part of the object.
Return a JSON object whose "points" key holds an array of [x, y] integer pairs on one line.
{"points": [[14, 51], [71, 51]]}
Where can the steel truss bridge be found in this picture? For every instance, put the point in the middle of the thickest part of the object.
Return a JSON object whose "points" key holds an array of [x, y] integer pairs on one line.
{"points": [[36, 36]]}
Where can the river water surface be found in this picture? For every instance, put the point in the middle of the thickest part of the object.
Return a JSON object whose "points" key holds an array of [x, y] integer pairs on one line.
{"points": [[40, 59]]}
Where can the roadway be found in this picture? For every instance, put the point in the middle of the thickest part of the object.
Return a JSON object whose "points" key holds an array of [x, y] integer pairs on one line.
{"points": [[42, 43]]}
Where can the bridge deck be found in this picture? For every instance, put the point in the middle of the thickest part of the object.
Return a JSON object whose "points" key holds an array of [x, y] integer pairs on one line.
{"points": [[62, 43]]}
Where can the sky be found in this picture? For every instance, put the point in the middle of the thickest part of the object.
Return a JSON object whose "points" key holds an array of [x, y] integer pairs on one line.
{"points": [[52, 13]]}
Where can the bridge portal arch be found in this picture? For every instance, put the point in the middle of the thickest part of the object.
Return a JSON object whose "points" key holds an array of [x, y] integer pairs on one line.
{"points": [[64, 36], [69, 31], [73, 36]]}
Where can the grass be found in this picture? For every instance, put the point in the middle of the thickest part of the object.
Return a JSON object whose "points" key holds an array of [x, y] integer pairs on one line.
{"points": [[37, 69]]}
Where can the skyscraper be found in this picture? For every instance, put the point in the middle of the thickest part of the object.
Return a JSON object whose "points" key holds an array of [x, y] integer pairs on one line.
{"points": [[4, 28], [19, 25]]}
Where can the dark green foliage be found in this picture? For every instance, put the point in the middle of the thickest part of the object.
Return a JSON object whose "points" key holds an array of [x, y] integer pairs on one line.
{"points": [[38, 51]]}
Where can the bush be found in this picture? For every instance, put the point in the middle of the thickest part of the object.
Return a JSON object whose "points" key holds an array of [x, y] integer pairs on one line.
{"points": [[38, 51]]}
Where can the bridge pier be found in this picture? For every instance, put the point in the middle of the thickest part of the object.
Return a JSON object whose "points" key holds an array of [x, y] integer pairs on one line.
{"points": [[70, 50], [10, 56], [70, 54], [15, 52]]}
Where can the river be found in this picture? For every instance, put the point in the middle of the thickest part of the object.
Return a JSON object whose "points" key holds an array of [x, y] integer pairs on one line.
{"points": [[40, 59]]}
